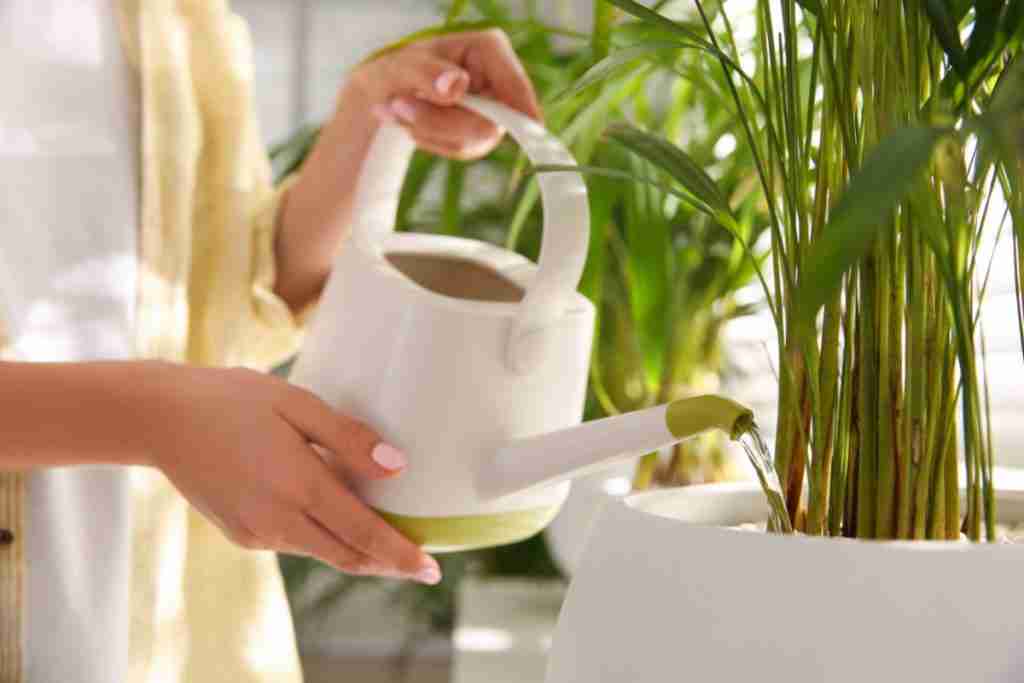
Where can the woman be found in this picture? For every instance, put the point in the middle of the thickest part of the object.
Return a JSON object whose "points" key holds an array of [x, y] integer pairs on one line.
{"points": [[143, 251]]}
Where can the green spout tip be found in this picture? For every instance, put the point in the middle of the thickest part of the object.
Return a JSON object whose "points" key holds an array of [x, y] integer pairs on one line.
{"points": [[689, 417], [743, 424]]}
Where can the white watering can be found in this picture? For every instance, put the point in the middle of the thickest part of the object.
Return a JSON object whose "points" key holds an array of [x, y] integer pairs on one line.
{"points": [[474, 360]]}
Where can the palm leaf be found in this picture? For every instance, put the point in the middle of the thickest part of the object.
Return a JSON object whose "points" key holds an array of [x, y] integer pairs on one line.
{"points": [[673, 161], [612, 64], [649, 15]]}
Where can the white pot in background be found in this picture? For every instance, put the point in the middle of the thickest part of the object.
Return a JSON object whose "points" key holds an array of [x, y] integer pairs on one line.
{"points": [[663, 593]]}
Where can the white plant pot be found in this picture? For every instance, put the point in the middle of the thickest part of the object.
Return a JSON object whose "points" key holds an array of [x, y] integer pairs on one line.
{"points": [[566, 535], [664, 593]]}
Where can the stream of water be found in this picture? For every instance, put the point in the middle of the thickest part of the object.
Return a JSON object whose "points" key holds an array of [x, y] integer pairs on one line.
{"points": [[764, 465]]}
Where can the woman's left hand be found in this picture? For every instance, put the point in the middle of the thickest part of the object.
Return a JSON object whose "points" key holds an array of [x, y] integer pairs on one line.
{"points": [[419, 87]]}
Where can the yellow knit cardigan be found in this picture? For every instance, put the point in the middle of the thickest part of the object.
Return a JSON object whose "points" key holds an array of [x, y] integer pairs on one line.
{"points": [[202, 609]]}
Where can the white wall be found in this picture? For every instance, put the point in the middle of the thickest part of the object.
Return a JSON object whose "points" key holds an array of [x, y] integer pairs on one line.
{"points": [[304, 48]]}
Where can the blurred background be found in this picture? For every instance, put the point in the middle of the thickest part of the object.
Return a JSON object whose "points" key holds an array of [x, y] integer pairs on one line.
{"points": [[491, 619]]}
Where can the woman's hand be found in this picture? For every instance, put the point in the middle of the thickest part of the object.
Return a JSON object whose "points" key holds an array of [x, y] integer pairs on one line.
{"points": [[263, 459], [418, 87], [421, 85], [239, 445]]}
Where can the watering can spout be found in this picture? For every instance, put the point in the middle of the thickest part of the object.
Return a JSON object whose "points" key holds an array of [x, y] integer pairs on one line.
{"points": [[550, 458]]}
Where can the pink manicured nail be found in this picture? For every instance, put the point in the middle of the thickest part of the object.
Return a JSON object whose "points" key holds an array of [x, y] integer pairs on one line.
{"points": [[389, 457], [404, 109], [383, 113], [430, 574], [446, 81]]}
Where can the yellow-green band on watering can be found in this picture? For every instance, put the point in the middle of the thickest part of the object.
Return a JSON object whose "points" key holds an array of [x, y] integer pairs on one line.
{"points": [[690, 416], [472, 532]]}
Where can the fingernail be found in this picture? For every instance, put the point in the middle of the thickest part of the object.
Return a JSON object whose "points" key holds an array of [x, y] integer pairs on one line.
{"points": [[389, 457], [430, 574], [446, 81], [383, 113], [404, 109]]}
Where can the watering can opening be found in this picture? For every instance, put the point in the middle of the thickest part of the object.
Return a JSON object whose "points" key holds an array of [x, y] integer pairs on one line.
{"points": [[456, 277]]}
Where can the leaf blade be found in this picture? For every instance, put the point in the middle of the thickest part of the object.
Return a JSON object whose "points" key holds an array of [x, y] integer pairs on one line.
{"points": [[812, 6], [658, 19], [948, 34], [673, 161], [885, 178], [610, 65]]}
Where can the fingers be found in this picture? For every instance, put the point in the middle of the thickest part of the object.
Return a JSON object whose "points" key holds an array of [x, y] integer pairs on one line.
{"points": [[356, 447], [297, 533], [450, 131], [420, 87], [350, 521], [420, 74], [307, 537], [493, 67]]}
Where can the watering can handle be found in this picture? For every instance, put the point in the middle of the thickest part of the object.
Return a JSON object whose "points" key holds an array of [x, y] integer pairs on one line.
{"points": [[563, 252]]}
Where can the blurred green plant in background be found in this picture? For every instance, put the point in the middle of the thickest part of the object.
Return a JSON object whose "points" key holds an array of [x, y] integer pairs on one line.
{"points": [[665, 276]]}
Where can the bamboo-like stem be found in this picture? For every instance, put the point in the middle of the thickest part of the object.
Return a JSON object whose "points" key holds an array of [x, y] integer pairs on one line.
{"points": [[886, 468], [904, 467], [821, 463], [919, 344], [867, 389], [945, 513], [934, 430], [829, 382], [643, 477], [937, 527], [844, 439], [951, 485], [853, 458]]}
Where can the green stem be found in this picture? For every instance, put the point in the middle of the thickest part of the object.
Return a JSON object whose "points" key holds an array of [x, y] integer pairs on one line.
{"points": [[867, 474], [885, 518], [645, 469]]}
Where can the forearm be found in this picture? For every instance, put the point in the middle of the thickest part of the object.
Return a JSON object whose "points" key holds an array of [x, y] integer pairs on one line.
{"points": [[317, 210], [58, 414]]}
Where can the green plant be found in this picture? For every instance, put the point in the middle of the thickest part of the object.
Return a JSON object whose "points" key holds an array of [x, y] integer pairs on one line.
{"points": [[877, 138]]}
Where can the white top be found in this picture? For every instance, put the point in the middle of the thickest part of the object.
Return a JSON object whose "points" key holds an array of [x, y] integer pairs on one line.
{"points": [[68, 223]]}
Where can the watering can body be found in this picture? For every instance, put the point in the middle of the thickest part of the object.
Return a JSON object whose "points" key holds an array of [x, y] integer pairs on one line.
{"points": [[451, 348]]}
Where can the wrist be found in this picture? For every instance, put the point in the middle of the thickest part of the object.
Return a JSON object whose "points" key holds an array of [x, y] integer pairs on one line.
{"points": [[158, 391]]}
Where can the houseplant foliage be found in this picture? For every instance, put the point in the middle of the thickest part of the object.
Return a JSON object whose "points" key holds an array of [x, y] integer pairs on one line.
{"points": [[880, 131]]}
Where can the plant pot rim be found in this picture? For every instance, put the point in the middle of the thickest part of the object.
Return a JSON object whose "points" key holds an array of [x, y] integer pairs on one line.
{"points": [[715, 508]]}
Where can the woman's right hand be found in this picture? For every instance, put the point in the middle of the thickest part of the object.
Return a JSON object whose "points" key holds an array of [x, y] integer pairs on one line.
{"points": [[267, 461]]}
